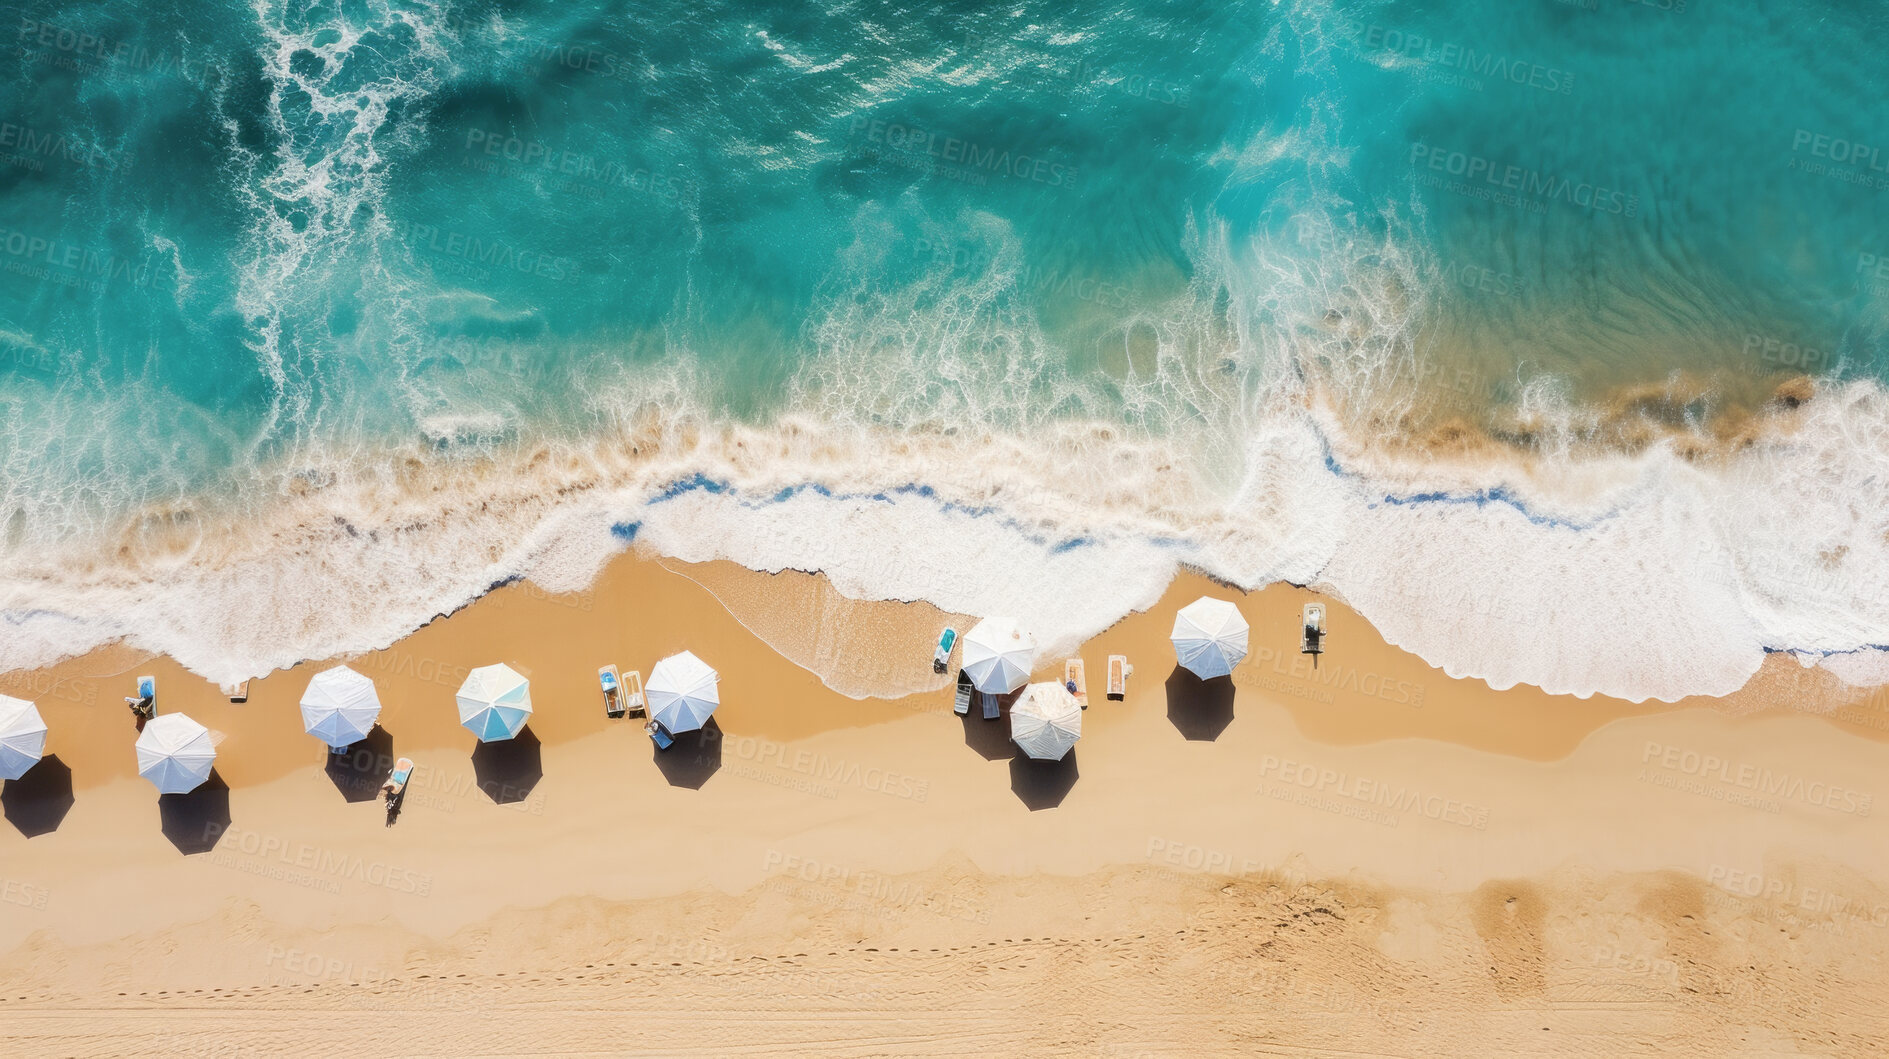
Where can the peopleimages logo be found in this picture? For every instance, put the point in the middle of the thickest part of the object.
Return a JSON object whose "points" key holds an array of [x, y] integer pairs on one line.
{"points": [[38, 143], [322, 968], [40, 684], [1396, 797], [1485, 280], [951, 151], [54, 260], [1334, 677], [1840, 151], [275, 854], [872, 887], [489, 253], [1198, 858], [820, 767], [54, 45], [1468, 60], [1789, 354], [539, 52], [1758, 779], [1033, 277], [1835, 158], [24, 894], [533, 156], [1791, 894], [1479, 173]]}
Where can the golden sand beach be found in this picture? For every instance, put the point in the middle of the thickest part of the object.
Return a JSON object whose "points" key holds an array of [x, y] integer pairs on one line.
{"points": [[1369, 858]]}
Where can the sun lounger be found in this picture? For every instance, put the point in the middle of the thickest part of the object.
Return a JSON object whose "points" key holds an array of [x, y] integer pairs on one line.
{"points": [[659, 735], [632, 693], [396, 788], [966, 689], [1312, 638], [612, 691], [396, 784], [1118, 671], [1076, 681], [941, 658], [237, 692], [992, 705], [145, 704]]}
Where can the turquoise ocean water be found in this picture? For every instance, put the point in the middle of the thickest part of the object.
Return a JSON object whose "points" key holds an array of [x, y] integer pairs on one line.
{"points": [[249, 247]]}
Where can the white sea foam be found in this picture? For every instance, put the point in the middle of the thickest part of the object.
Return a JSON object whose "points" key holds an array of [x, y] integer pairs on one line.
{"points": [[1673, 580], [346, 93]]}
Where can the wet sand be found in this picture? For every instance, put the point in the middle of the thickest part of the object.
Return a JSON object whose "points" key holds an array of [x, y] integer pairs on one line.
{"points": [[1370, 857]]}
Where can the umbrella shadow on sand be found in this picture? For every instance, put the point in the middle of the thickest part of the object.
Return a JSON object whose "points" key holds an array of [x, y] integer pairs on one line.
{"points": [[1199, 709], [508, 769], [991, 739], [194, 822], [694, 758], [359, 773], [1043, 784], [37, 803]]}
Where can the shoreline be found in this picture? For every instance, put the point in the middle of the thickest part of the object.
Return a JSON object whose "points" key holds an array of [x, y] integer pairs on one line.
{"points": [[1366, 689], [347, 558]]}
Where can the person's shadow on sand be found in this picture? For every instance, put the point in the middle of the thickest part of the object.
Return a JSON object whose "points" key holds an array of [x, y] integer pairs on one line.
{"points": [[693, 759], [1199, 709], [37, 803], [195, 822], [508, 769], [1043, 784]]}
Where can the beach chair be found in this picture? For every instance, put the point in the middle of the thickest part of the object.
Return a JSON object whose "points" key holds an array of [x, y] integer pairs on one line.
{"points": [[992, 705], [1312, 638], [632, 693], [145, 704], [1118, 671], [612, 691], [396, 788], [962, 706], [659, 735], [237, 692], [1076, 681], [941, 658], [396, 784]]}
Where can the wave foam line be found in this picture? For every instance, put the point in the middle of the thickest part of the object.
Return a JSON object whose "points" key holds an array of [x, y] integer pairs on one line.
{"points": [[1651, 575]]}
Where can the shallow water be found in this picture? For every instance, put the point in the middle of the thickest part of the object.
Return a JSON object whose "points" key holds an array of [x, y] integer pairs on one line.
{"points": [[1473, 313]]}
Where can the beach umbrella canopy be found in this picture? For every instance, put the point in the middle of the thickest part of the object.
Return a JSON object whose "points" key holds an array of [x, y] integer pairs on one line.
{"points": [[494, 702], [340, 706], [998, 654], [682, 692], [22, 737], [1046, 721], [175, 753], [1210, 637]]}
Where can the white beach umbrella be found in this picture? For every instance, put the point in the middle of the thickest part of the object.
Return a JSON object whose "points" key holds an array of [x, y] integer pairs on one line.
{"points": [[1046, 721], [340, 706], [998, 654], [175, 753], [682, 692], [22, 737], [494, 702], [1210, 637]]}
